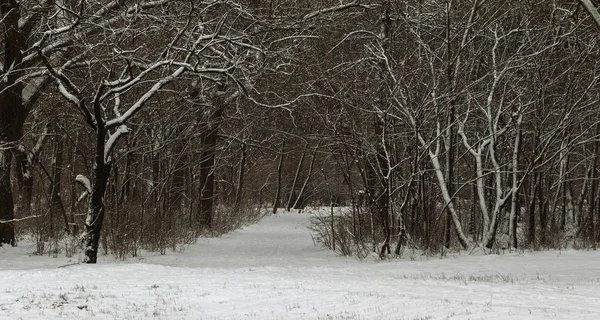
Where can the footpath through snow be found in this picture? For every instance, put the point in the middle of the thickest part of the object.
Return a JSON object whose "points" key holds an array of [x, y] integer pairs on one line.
{"points": [[271, 270]]}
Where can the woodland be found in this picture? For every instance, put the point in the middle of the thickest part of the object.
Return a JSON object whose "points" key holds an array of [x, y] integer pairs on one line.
{"points": [[134, 125]]}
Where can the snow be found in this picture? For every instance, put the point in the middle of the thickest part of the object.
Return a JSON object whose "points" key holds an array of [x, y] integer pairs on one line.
{"points": [[112, 139], [271, 270], [85, 182]]}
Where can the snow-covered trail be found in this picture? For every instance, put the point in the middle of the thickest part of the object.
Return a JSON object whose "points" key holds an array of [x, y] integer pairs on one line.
{"points": [[271, 270], [277, 240]]}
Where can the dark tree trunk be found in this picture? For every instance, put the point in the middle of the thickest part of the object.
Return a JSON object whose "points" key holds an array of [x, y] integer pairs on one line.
{"points": [[56, 204], [93, 226], [127, 191], [295, 181], [450, 175], [26, 160], [95, 217], [451, 132], [239, 191], [514, 240], [590, 230], [207, 161], [543, 210], [473, 215], [595, 234], [369, 178], [279, 174], [7, 231], [25, 179], [207, 181], [533, 186], [383, 196], [177, 185], [12, 112], [298, 204], [591, 212]]}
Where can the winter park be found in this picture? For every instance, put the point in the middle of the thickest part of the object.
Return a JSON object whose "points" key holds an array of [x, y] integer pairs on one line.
{"points": [[299, 159]]}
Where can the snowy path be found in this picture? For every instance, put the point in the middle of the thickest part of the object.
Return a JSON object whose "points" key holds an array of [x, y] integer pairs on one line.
{"points": [[271, 270], [278, 240]]}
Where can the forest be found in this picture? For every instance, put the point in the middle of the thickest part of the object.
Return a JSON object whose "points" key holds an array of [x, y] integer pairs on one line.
{"points": [[133, 125]]}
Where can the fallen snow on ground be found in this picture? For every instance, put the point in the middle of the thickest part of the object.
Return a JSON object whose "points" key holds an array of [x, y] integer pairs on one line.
{"points": [[271, 270]]}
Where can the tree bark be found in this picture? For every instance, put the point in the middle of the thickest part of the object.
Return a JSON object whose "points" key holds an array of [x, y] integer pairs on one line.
{"points": [[12, 112], [383, 157], [241, 174], [590, 225], [95, 217], [298, 202], [24, 173], [514, 203], [279, 174], [533, 186], [296, 176], [207, 160], [543, 212], [56, 205], [7, 231]]}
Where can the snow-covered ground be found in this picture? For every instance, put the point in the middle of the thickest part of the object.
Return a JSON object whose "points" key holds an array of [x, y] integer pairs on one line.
{"points": [[271, 270]]}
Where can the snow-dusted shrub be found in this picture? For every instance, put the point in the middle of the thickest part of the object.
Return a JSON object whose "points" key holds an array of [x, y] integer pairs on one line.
{"points": [[229, 218], [340, 232]]}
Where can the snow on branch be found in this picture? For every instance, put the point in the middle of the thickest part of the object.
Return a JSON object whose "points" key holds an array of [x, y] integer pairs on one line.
{"points": [[68, 90], [128, 82], [100, 20], [65, 86], [37, 13], [589, 6], [112, 139], [84, 182], [69, 27], [286, 106], [33, 89], [143, 99], [353, 4], [20, 219]]}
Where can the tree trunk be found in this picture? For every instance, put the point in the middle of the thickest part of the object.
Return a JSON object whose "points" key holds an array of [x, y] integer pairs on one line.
{"points": [[298, 202], [296, 176], [12, 112], [383, 160], [7, 231], [95, 216], [590, 230], [93, 225], [464, 241], [56, 205], [449, 175], [279, 173], [533, 186], [542, 209], [177, 172], [24, 173], [207, 180], [514, 202], [473, 215], [240, 183], [207, 161], [382, 198]]}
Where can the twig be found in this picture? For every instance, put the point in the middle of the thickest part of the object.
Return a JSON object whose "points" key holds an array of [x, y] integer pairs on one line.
{"points": [[20, 219]]}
